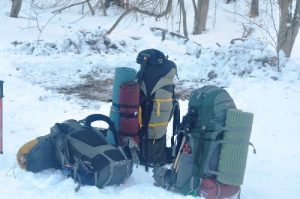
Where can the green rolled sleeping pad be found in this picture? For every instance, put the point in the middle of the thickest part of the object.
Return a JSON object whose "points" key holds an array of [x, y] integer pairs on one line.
{"points": [[234, 151], [122, 75]]}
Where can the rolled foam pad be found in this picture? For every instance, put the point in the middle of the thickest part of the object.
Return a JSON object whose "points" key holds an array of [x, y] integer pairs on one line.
{"points": [[122, 75], [234, 151]]}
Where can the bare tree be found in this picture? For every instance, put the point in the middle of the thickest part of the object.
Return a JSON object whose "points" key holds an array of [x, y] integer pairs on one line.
{"points": [[183, 12], [15, 8], [288, 26], [254, 8], [200, 17], [103, 7]]}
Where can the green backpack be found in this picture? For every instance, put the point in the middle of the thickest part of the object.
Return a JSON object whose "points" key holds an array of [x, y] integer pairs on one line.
{"points": [[215, 139], [218, 139]]}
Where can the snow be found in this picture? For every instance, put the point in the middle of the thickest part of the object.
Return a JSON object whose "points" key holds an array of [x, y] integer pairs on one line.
{"points": [[30, 108]]}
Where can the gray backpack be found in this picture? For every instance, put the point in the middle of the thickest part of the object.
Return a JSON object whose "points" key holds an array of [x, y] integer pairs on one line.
{"points": [[83, 152]]}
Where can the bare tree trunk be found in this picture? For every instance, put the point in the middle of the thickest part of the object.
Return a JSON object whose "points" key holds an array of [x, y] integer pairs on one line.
{"points": [[254, 11], [15, 8], [90, 7], [126, 3], [103, 7], [288, 27], [183, 11], [200, 18]]}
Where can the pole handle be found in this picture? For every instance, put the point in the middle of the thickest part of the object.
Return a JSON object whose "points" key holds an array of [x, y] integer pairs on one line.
{"points": [[1, 89]]}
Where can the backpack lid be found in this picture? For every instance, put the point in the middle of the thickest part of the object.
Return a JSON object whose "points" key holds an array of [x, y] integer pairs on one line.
{"points": [[152, 56], [155, 67]]}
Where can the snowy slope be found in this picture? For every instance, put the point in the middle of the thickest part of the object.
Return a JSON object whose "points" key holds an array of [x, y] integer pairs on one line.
{"points": [[30, 109]]}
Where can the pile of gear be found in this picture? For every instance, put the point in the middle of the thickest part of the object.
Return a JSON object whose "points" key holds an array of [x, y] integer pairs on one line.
{"points": [[208, 151]]}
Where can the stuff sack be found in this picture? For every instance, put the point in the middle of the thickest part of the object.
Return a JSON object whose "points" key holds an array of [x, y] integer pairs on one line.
{"points": [[122, 75], [129, 111], [37, 155], [211, 189], [84, 153], [157, 99]]}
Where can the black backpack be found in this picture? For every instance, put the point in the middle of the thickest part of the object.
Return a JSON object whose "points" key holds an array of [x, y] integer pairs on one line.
{"points": [[81, 151], [84, 153], [157, 101]]}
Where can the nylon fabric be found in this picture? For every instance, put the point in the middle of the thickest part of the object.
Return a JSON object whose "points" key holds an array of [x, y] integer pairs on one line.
{"points": [[23, 151], [100, 165], [156, 99]]}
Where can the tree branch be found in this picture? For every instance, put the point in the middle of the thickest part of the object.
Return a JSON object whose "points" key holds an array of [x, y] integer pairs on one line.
{"points": [[69, 6], [152, 14], [145, 12], [118, 21]]}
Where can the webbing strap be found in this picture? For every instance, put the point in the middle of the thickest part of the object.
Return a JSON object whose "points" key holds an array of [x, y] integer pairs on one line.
{"points": [[160, 100], [130, 134], [158, 124], [125, 105], [140, 117], [164, 81], [135, 157], [129, 115]]}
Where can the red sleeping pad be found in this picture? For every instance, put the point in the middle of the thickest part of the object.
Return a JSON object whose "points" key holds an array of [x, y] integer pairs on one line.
{"points": [[129, 111]]}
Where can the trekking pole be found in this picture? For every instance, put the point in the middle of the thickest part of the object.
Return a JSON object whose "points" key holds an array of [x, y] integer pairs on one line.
{"points": [[1, 120], [187, 122], [174, 169], [175, 166]]}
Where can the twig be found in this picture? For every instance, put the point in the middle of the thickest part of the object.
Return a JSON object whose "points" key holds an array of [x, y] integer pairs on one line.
{"points": [[118, 21], [273, 43], [74, 4], [272, 17], [164, 32], [84, 15], [44, 26], [237, 39]]}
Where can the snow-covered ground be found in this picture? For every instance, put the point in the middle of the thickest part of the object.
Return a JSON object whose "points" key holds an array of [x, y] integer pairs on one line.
{"points": [[27, 68]]}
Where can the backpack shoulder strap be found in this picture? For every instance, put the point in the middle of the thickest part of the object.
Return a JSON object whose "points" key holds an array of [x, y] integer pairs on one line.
{"points": [[164, 81]]}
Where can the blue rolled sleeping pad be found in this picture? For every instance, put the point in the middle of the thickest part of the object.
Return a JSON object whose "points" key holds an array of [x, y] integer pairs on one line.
{"points": [[122, 75]]}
